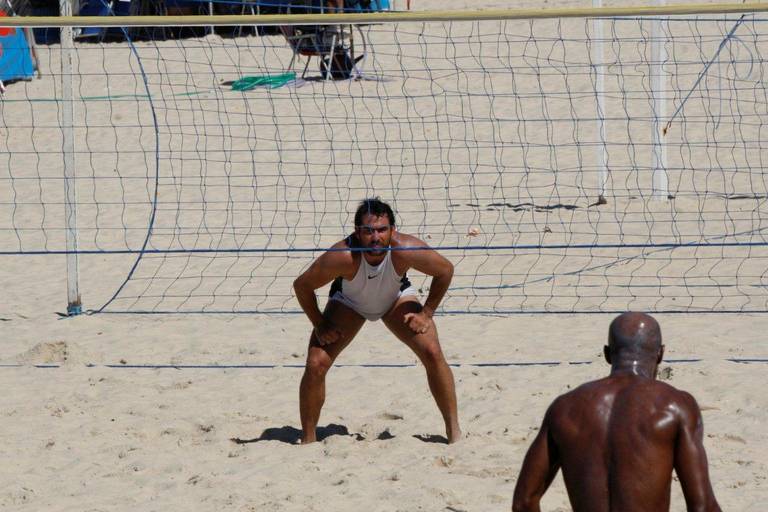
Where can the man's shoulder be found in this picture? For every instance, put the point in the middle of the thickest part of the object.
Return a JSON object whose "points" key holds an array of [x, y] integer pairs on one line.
{"points": [[663, 398], [576, 397], [344, 243], [596, 388], [683, 400], [588, 388], [667, 392], [660, 393], [587, 396], [340, 251], [406, 240]]}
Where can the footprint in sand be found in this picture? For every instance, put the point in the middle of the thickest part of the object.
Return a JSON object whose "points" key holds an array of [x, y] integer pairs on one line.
{"points": [[54, 352]]}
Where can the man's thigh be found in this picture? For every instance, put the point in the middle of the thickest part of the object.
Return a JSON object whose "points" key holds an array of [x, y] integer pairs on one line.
{"points": [[346, 320], [395, 322]]}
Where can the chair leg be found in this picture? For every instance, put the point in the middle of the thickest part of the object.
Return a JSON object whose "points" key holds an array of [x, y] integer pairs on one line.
{"points": [[329, 66], [362, 58], [306, 66], [243, 7], [210, 13]]}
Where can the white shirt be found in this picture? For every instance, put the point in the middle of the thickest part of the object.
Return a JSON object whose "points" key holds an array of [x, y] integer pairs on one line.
{"points": [[374, 289]]}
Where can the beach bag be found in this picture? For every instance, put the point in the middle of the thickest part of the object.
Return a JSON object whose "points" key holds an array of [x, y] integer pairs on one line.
{"points": [[366, 5], [340, 66]]}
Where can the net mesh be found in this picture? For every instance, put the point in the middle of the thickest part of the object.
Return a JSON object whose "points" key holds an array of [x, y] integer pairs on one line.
{"points": [[485, 136]]}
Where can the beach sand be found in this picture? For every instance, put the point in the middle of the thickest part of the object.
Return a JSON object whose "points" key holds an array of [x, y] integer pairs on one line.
{"points": [[119, 412]]}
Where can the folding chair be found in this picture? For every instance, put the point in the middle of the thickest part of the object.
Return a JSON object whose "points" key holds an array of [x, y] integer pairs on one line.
{"points": [[311, 41], [102, 8], [18, 56], [333, 45], [367, 5]]}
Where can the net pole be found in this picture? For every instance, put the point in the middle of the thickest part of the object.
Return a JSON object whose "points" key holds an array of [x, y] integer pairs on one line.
{"points": [[598, 59], [658, 92], [74, 305]]}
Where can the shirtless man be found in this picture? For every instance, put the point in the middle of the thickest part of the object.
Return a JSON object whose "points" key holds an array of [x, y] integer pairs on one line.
{"points": [[370, 283], [618, 439]]}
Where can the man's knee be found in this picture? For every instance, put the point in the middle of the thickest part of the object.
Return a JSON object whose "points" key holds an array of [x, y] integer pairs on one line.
{"points": [[431, 354], [318, 364]]}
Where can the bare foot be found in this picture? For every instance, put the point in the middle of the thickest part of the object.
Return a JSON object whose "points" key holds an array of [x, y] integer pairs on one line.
{"points": [[308, 439], [453, 434]]}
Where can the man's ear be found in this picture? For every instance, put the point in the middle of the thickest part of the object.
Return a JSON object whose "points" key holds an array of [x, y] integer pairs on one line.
{"points": [[661, 355], [607, 353]]}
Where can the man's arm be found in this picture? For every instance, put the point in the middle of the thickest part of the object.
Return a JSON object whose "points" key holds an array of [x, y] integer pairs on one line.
{"points": [[539, 469], [430, 262], [691, 459], [323, 270]]}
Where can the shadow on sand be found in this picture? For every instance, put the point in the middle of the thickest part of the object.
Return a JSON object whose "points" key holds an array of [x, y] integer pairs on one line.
{"points": [[431, 438], [292, 435]]}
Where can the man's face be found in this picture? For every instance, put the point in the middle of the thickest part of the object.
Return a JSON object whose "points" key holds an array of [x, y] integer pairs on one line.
{"points": [[375, 232]]}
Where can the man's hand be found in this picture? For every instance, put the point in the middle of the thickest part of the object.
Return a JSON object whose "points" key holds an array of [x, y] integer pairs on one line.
{"points": [[327, 333], [418, 322]]}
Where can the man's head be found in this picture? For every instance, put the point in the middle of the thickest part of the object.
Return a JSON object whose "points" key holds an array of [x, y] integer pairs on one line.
{"points": [[634, 338], [374, 225]]}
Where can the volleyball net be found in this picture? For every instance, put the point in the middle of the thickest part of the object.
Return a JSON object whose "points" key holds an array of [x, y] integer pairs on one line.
{"points": [[585, 163]]}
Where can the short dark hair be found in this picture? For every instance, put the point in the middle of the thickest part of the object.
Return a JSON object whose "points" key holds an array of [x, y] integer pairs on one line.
{"points": [[376, 207]]}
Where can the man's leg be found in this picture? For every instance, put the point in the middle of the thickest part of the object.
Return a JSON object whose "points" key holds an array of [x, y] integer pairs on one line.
{"points": [[335, 6], [319, 361], [427, 347]]}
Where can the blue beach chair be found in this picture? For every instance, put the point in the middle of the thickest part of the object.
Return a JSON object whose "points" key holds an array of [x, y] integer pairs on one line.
{"points": [[102, 8], [16, 56]]}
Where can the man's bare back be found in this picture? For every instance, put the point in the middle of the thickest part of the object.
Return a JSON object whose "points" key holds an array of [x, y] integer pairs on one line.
{"points": [[618, 439]]}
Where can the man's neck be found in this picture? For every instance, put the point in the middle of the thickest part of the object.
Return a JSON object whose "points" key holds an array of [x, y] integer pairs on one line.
{"points": [[374, 259], [634, 367]]}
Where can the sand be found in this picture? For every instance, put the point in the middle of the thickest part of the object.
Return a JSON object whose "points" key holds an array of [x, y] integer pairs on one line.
{"points": [[114, 412]]}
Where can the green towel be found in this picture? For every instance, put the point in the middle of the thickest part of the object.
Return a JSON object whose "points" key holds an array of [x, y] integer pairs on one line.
{"points": [[271, 81]]}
